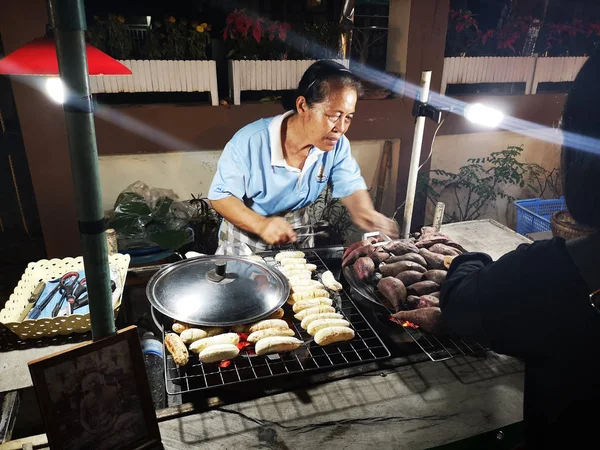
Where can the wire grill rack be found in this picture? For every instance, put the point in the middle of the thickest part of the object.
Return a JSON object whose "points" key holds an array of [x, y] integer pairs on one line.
{"points": [[437, 349], [365, 347]]}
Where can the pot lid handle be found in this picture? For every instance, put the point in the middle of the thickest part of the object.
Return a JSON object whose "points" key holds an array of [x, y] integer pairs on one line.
{"points": [[219, 273]]}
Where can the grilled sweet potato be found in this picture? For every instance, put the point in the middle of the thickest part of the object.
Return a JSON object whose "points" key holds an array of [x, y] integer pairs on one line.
{"points": [[364, 268], [379, 257], [412, 301], [357, 253], [414, 257], [435, 294], [357, 245], [429, 319], [391, 270], [434, 260], [437, 275], [423, 288], [444, 249], [426, 301], [409, 277], [401, 247], [393, 290]]}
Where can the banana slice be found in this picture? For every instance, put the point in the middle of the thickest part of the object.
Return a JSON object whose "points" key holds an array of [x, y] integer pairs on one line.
{"points": [[277, 344], [193, 334], [218, 352], [269, 332], [178, 327], [268, 323], [305, 295], [276, 315], [289, 254], [314, 285], [326, 323], [330, 335], [314, 310], [226, 338], [301, 283], [330, 282], [299, 266], [297, 274], [310, 319], [287, 261], [305, 304]]}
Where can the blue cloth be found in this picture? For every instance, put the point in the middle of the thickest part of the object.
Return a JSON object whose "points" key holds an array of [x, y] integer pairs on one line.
{"points": [[252, 168], [46, 313]]}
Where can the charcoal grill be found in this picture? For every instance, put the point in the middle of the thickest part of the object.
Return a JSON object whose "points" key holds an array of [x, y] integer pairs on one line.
{"points": [[437, 349], [366, 347]]}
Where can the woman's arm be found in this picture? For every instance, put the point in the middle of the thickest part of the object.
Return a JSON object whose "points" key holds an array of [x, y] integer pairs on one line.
{"points": [[272, 230], [364, 216]]}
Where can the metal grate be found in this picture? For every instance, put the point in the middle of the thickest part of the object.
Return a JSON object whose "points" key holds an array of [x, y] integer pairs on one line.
{"points": [[365, 347], [438, 349]]}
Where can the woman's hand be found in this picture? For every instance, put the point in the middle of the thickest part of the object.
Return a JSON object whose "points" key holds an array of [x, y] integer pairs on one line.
{"points": [[276, 231], [365, 217], [374, 221]]}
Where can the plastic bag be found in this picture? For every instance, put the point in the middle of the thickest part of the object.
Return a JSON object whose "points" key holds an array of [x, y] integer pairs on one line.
{"points": [[147, 217]]}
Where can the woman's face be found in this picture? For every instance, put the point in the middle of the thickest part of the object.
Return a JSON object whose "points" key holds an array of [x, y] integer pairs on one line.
{"points": [[326, 122]]}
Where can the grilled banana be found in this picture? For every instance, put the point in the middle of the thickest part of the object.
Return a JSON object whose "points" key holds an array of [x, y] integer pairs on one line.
{"points": [[177, 349], [311, 318], [305, 304], [218, 352], [330, 282], [226, 338], [314, 310], [288, 254], [268, 323], [330, 335], [269, 332], [326, 323], [277, 344]]}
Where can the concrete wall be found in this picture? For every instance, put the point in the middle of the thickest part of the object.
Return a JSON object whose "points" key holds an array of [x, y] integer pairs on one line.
{"points": [[191, 172], [450, 152]]}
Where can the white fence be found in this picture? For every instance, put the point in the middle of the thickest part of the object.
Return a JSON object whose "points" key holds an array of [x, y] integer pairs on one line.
{"points": [[269, 75], [528, 70], [162, 76]]}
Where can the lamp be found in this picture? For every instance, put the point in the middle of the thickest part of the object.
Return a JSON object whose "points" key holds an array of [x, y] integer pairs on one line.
{"points": [[69, 58], [38, 57], [476, 113]]}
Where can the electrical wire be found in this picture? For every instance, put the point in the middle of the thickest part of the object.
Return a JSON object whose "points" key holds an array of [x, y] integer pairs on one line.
{"points": [[426, 160]]}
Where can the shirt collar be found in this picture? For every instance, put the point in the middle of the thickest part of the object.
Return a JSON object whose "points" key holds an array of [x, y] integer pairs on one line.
{"points": [[277, 158]]}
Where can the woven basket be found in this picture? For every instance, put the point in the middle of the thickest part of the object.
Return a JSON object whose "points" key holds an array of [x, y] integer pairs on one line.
{"points": [[563, 225], [45, 270]]}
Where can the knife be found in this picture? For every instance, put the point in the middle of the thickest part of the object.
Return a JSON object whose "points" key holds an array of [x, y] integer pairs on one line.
{"points": [[35, 295]]}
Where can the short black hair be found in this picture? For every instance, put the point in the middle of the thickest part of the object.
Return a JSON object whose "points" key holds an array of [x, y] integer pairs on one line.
{"points": [[581, 168], [319, 80]]}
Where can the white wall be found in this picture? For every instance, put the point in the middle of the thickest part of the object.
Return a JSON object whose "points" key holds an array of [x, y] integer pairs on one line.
{"points": [[192, 172], [450, 152]]}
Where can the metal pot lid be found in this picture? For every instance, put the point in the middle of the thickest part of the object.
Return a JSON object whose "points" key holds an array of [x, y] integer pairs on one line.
{"points": [[218, 291]]}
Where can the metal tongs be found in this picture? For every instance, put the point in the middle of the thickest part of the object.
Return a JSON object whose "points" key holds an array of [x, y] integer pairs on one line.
{"points": [[313, 226], [385, 239]]}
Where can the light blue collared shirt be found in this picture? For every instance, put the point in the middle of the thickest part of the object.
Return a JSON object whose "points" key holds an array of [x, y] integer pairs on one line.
{"points": [[253, 169]]}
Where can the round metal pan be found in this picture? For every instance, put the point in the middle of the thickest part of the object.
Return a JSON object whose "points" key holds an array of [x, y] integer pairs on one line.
{"points": [[197, 291]]}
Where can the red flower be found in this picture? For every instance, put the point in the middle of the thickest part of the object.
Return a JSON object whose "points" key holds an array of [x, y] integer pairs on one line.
{"points": [[257, 30], [283, 30]]}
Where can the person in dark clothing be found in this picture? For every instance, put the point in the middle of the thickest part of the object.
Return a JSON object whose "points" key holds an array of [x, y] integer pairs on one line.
{"points": [[538, 303]]}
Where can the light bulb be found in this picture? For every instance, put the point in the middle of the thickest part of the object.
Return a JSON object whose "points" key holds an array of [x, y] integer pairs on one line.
{"points": [[55, 89], [483, 115]]}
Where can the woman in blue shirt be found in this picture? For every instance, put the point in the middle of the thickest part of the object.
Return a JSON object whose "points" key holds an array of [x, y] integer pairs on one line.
{"points": [[272, 170]]}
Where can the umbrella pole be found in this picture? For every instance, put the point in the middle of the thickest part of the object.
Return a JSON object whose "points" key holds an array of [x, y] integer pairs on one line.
{"points": [[68, 22]]}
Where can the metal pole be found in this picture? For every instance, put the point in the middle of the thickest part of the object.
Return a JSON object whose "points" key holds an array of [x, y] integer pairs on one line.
{"points": [[415, 157], [438, 217], [68, 22]]}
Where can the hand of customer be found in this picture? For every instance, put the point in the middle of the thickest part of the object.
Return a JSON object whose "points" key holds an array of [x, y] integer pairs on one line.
{"points": [[276, 231]]}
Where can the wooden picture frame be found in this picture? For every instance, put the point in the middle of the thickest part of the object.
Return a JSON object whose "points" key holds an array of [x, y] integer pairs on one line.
{"points": [[96, 395]]}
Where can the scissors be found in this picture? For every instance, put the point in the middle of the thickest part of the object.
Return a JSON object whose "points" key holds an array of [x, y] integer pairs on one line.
{"points": [[67, 285]]}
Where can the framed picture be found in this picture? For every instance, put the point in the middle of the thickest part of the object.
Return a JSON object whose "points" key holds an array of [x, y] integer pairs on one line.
{"points": [[96, 395]]}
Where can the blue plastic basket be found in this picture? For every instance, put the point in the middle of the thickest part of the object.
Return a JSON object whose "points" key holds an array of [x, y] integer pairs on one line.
{"points": [[533, 215]]}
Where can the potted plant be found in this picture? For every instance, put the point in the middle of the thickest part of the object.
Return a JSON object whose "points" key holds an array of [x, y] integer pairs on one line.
{"points": [[261, 57], [171, 56]]}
